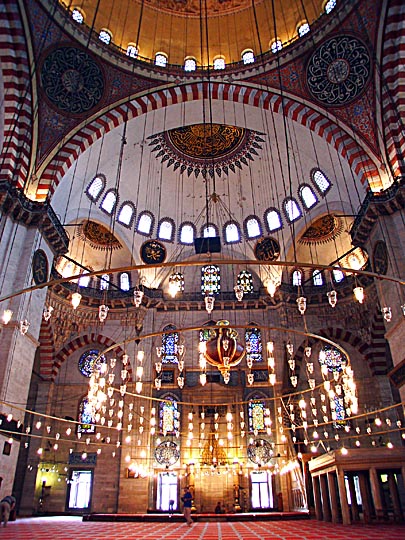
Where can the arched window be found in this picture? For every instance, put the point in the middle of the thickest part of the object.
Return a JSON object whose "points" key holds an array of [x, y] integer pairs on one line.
{"points": [[322, 183], [317, 278], [329, 5], [338, 275], [246, 281], [109, 202], [176, 283], [95, 187], [105, 36], [253, 339], [232, 233], [297, 278], [166, 230], [303, 29], [89, 361], [161, 59], [104, 282], [307, 196], [219, 62], [276, 46], [85, 417], [210, 279], [335, 361], [291, 209], [248, 56], [187, 233], [132, 50], [124, 281], [210, 231], [273, 220], [190, 64], [145, 223], [126, 214], [78, 16], [252, 227], [84, 280], [256, 415], [169, 416], [170, 339]]}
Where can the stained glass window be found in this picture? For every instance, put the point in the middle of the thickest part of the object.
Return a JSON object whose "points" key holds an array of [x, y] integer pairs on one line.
{"points": [[320, 180], [132, 50], [252, 227], [166, 230], [256, 415], [332, 357], [317, 278], [276, 46], [303, 29], [338, 275], [210, 231], [170, 340], [95, 187], [145, 223], [273, 220], [85, 418], [187, 233], [308, 197], [109, 202], [77, 16], [245, 279], [104, 282], [210, 279], [330, 4], [169, 416], [297, 278], [161, 59], [291, 209], [190, 64], [87, 361], [232, 233], [248, 56], [126, 214], [205, 333], [253, 336], [84, 280], [105, 36], [124, 281]]}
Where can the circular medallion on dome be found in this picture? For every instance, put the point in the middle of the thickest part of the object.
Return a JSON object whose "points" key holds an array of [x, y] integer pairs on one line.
{"points": [[267, 249], [339, 70], [153, 252], [89, 361], [72, 80], [260, 452], [167, 453]]}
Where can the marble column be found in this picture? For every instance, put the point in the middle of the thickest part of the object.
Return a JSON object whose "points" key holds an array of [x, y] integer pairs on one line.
{"points": [[343, 498], [327, 515], [333, 497], [354, 506], [365, 497], [376, 493], [317, 498], [392, 483]]}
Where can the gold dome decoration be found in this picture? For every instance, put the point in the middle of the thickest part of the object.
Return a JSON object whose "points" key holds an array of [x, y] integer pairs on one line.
{"points": [[97, 236]]}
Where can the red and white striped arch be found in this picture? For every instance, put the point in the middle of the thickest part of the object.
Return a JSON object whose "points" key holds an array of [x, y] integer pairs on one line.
{"points": [[393, 86], [76, 344], [360, 162], [16, 101], [373, 352]]}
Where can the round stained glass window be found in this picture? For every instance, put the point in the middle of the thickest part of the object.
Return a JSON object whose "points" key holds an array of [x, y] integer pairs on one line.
{"points": [[89, 360]]}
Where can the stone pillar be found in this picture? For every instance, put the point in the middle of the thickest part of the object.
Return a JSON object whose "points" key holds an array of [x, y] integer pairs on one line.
{"points": [[343, 498], [317, 498], [392, 483], [365, 498], [354, 506], [327, 516], [333, 496], [376, 493]]}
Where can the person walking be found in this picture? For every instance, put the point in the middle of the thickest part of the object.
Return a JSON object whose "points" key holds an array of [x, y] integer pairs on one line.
{"points": [[187, 500], [6, 505]]}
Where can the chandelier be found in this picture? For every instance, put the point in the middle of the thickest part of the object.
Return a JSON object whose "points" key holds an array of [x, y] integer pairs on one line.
{"points": [[223, 350]]}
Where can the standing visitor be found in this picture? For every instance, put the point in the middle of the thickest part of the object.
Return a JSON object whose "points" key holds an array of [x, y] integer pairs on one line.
{"points": [[187, 499]]}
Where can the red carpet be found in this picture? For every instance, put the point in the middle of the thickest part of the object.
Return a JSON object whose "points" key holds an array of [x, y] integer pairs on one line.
{"points": [[73, 528]]}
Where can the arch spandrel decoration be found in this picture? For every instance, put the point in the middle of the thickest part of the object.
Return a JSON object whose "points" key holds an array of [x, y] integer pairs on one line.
{"points": [[360, 161]]}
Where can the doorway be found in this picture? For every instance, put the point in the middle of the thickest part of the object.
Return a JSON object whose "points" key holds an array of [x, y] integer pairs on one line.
{"points": [[79, 491]]}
